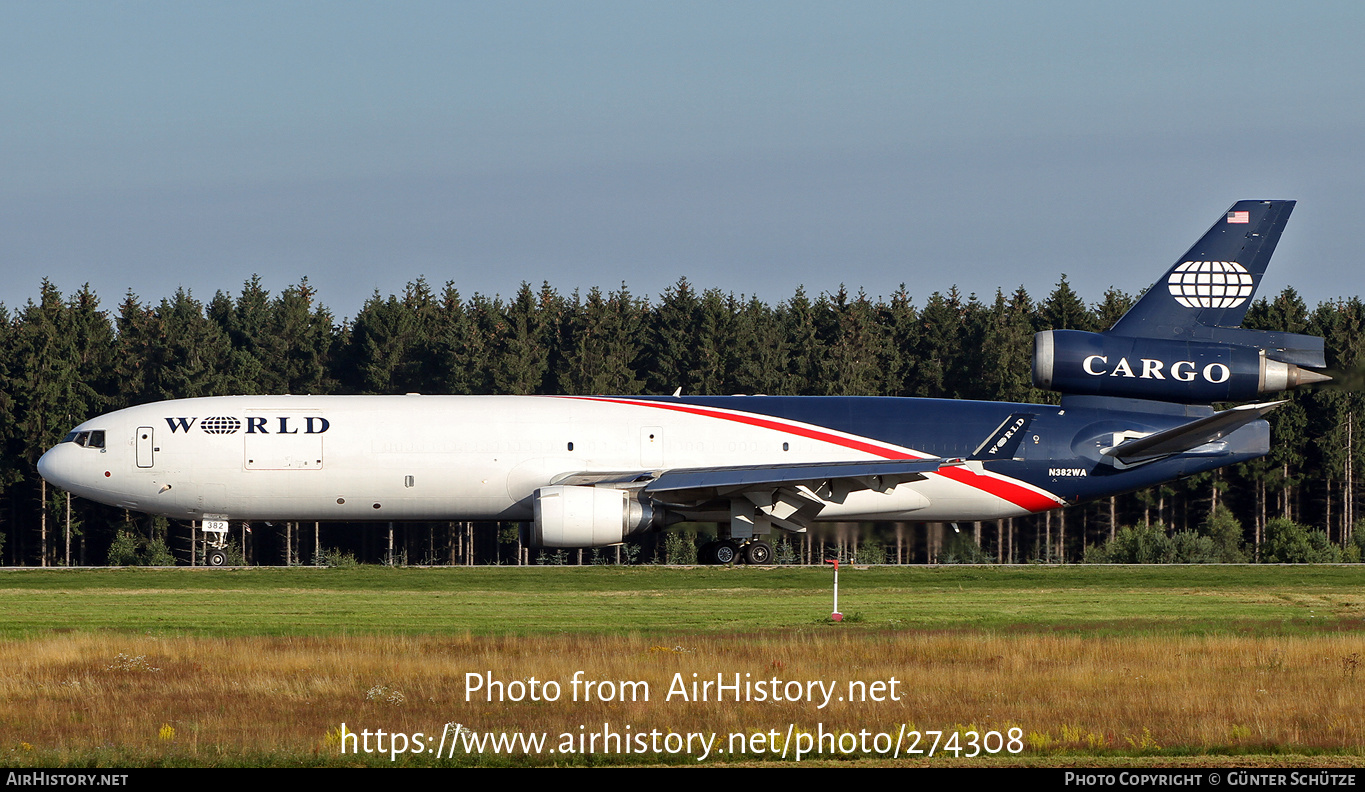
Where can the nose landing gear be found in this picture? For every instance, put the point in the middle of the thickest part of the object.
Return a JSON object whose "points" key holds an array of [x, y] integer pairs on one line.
{"points": [[215, 542]]}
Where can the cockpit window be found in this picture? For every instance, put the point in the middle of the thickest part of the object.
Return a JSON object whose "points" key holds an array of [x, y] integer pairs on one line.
{"points": [[90, 439]]}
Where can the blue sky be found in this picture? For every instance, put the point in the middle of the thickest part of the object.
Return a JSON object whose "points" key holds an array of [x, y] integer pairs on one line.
{"points": [[752, 147]]}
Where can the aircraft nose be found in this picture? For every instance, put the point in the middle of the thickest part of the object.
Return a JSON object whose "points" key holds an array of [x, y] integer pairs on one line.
{"points": [[57, 468]]}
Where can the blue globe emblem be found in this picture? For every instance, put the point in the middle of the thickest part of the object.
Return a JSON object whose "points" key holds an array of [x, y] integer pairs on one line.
{"points": [[220, 425]]}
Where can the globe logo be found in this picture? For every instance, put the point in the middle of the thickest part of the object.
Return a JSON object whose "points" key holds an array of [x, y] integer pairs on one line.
{"points": [[220, 425], [1210, 284]]}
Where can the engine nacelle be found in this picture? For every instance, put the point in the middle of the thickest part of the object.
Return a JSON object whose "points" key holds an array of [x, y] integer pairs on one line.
{"points": [[568, 516], [1190, 372]]}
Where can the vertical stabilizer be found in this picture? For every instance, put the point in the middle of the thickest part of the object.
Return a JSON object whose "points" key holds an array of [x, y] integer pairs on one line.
{"points": [[1183, 341], [1212, 285]]}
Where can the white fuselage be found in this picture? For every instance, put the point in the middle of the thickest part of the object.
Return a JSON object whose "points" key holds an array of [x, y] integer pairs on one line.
{"points": [[447, 457]]}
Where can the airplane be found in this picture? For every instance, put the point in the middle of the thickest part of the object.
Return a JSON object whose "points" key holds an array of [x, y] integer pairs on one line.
{"points": [[594, 471]]}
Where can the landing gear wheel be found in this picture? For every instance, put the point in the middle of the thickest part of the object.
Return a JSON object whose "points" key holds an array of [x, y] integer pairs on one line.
{"points": [[725, 552], [215, 557], [758, 553]]}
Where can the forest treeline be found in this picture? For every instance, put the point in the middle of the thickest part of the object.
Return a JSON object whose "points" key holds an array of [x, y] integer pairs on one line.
{"points": [[66, 358]]}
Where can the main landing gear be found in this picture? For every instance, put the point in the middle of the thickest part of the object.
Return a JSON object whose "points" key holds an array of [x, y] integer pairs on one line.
{"points": [[729, 551]]}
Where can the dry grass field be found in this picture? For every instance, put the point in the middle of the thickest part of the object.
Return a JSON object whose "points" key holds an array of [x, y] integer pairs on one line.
{"points": [[1089, 694]]}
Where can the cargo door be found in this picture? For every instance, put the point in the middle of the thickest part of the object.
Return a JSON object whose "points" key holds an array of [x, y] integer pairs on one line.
{"points": [[284, 441]]}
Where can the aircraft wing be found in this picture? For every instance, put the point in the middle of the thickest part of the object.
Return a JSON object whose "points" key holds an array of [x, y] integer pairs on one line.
{"points": [[787, 496], [876, 474], [1188, 436]]}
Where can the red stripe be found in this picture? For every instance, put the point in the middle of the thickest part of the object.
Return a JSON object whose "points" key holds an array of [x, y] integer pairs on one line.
{"points": [[766, 423], [1001, 488], [1004, 489]]}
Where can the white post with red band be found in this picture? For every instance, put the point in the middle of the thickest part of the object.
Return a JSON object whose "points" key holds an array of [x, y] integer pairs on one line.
{"points": [[836, 615]]}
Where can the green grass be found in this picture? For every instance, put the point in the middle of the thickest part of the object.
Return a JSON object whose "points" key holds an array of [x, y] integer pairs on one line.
{"points": [[615, 600], [1240, 664]]}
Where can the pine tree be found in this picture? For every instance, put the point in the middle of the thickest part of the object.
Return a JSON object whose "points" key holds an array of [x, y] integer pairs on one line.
{"points": [[805, 362], [522, 336], [191, 350], [58, 360], [247, 321], [458, 346], [857, 349], [1115, 304], [1064, 310], [304, 339], [47, 371], [678, 341], [12, 442], [1007, 350], [756, 350], [900, 321], [599, 344], [949, 333], [389, 349]]}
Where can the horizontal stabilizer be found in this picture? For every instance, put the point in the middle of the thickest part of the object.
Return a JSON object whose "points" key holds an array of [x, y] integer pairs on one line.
{"points": [[1188, 436]]}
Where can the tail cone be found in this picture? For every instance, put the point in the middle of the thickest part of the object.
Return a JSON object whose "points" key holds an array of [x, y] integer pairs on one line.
{"points": [[1310, 377], [1277, 376]]}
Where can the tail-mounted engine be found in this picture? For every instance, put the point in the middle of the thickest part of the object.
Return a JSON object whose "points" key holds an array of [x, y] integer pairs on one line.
{"points": [[1181, 341], [1239, 365]]}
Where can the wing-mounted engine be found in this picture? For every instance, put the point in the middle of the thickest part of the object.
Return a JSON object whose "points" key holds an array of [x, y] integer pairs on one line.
{"points": [[574, 516], [599, 509]]}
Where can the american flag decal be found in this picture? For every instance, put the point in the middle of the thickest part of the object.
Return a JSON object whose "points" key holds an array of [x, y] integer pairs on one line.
{"points": [[1239, 217]]}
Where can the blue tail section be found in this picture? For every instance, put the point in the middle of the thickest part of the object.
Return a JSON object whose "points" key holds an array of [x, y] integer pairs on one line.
{"points": [[1182, 342], [1212, 285]]}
